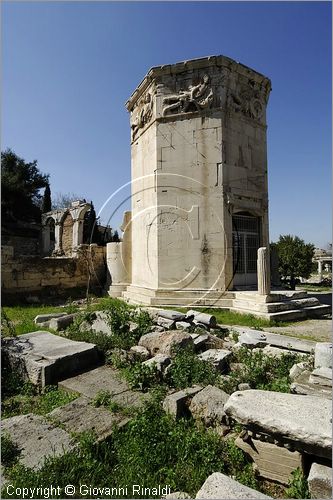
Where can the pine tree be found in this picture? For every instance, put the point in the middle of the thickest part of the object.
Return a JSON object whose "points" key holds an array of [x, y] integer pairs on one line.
{"points": [[47, 205]]}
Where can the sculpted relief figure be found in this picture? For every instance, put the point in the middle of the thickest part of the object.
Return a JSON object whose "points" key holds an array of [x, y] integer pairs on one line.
{"points": [[143, 114], [247, 102], [197, 97]]}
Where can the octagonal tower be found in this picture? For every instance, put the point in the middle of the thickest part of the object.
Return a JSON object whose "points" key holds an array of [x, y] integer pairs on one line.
{"points": [[199, 182]]}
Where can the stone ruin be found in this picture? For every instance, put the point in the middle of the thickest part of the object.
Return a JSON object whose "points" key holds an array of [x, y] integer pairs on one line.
{"points": [[281, 432]]}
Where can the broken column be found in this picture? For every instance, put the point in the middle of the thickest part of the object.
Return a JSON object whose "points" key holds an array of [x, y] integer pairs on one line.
{"points": [[264, 286]]}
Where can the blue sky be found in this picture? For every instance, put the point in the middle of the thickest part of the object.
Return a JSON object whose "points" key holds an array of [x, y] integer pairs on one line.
{"points": [[69, 67]]}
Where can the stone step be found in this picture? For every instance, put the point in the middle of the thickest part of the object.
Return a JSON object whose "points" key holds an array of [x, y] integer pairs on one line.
{"points": [[36, 438], [104, 378], [81, 416], [318, 311], [45, 358], [278, 316]]}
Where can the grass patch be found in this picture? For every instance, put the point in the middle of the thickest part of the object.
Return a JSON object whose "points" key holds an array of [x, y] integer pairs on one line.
{"points": [[152, 449], [20, 319], [32, 402]]}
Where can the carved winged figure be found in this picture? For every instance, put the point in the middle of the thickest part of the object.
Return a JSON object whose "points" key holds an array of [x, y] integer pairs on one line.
{"points": [[196, 96]]}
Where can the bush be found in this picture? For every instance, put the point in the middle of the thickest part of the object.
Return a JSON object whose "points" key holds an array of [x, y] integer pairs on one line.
{"points": [[9, 451], [261, 371], [120, 318], [187, 370]]}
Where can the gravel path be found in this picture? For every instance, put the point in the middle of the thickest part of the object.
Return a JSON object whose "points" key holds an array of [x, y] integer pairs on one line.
{"points": [[319, 330]]}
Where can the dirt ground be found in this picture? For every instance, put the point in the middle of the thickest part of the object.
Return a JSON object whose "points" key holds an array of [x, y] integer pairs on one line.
{"points": [[319, 330]]}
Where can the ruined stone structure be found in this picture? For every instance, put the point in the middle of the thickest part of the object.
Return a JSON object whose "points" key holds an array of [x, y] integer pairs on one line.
{"points": [[62, 230], [199, 184]]}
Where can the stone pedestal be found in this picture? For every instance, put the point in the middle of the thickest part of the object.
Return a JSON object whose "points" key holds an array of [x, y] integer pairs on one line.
{"points": [[264, 280], [116, 268]]}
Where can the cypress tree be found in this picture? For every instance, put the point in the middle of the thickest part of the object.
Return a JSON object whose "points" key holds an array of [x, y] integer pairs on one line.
{"points": [[47, 205]]}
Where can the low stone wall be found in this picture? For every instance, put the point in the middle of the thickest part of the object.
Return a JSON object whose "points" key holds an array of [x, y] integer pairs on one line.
{"points": [[25, 277]]}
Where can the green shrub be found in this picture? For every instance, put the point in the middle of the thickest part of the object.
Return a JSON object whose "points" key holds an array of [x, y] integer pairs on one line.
{"points": [[120, 318], [9, 451], [298, 485], [140, 376], [187, 369], [261, 371]]}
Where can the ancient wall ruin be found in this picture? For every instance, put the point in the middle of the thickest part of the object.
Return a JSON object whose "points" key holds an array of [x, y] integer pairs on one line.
{"points": [[24, 277]]}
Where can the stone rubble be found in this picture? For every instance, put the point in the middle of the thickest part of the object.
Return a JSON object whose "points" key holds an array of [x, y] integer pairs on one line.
{"points": [[304, 422], [320, 481], [220, 486]]}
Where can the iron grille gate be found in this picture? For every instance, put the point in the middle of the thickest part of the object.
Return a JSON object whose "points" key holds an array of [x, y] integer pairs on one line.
{"points": [[246, 241]]}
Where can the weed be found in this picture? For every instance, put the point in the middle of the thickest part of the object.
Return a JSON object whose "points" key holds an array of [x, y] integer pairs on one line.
{"points": [[102, 398], [9, 451], [261, 371], [140, 376], [298, 485], [25, 399], [187, 369]]}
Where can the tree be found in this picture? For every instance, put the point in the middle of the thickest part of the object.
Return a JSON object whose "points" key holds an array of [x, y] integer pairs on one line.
{"points": [[115, 237], [64, 200], [90, 230], [295, 258], [21, 183], [47, 205]]}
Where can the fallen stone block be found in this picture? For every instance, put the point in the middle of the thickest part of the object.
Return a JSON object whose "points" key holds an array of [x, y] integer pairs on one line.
{"points": [[208, 405], [103, 378], [176, 404], [283, 341], [43, 318], [244, 387], [167, 324], [200, 341], [217, 357], [36, 438], [63, 322], [160, 362], [101, 323], [320, 481], [252, 338], [206, 319], [296, 370], [165, 342], [302, 385], [323, 355], [304, 422], [220, 486], [140, 352], [45, 358], [277, 352], [322, 376], [171, 315], [272, 462], [183, 325], [81, 416]]}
